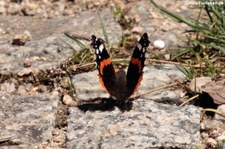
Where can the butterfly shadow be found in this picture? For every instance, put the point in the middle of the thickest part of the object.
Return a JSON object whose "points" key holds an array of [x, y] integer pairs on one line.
{"points": [[106, 104]]}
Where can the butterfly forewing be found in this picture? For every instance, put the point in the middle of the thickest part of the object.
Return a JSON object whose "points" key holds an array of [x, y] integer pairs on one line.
{"points": [[107, 74], [135, 69]]}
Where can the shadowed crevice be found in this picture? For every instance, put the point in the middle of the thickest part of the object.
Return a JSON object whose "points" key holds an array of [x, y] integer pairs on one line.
{"points": [[206, 101], [106, 104]]}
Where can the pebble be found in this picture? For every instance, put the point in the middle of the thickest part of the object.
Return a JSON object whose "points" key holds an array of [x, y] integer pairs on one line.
{"points": [[8, 87], [160, 44], [24, 72], [21, 39], [2, 31], [167, 56], [221, 109], [27, 63], [205, 135], [67, 100], [21, 90], [202, 126], [2, 10], [212, 143], [137, 29], [30, 9], [14, 9], [42, 88]]}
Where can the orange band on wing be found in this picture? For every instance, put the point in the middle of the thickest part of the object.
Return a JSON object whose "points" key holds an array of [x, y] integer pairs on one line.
{"points": [[138, 83], [104, 63], [101, 82], [137, 62]]}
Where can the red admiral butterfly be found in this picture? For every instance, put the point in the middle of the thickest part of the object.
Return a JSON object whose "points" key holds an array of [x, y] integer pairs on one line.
{"points": [[119, 85]]}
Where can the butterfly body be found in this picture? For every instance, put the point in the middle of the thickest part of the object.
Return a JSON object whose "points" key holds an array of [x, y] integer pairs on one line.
{"points": [[120, 85]]}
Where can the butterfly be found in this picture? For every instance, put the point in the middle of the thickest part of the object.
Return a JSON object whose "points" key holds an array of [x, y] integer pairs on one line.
{"points": [[120, 85]]}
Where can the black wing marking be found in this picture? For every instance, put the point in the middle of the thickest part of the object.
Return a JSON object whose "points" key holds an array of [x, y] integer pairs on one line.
{"points": [[135, 69], [107, 74]]}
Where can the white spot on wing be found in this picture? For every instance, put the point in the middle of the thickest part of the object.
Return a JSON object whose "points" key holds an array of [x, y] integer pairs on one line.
{"points": [[99, 57], [96, 51], [144, 50], [101, 47], [139, 46]]}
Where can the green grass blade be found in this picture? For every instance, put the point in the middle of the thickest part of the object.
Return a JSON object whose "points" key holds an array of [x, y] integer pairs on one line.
{"points": [[222, 49], [80, 44], [196, 25]]}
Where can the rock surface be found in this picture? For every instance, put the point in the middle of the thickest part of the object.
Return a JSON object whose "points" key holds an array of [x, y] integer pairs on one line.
{"points": [[51, 51], [27, 120], [147, 125], [42, 55]]}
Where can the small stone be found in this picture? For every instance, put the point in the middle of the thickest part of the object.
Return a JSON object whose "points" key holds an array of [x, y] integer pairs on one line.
{"points": [[16, 141], [34, 89], [137, 29], [30, 9], [11, 87], [21, 90], [2, 31], [202, 126], [160, 44], [14, 9], [2, 10], [59, 136], [167, 56], [8, 87], [205, 135], [67, 100], [24, 72], [28, 86], [182, 94], [212, 143], [21, 39], [42, 88], [221, 109], [65, 82], [90, 5], [27, 63], [67, 12]]}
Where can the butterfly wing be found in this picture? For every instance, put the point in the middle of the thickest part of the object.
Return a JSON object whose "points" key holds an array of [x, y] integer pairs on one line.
{"points": [[135, 69], [107, 74]]}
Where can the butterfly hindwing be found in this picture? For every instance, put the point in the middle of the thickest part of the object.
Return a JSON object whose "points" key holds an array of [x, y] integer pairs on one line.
{"points": [[107, 74], [135, 69]]}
